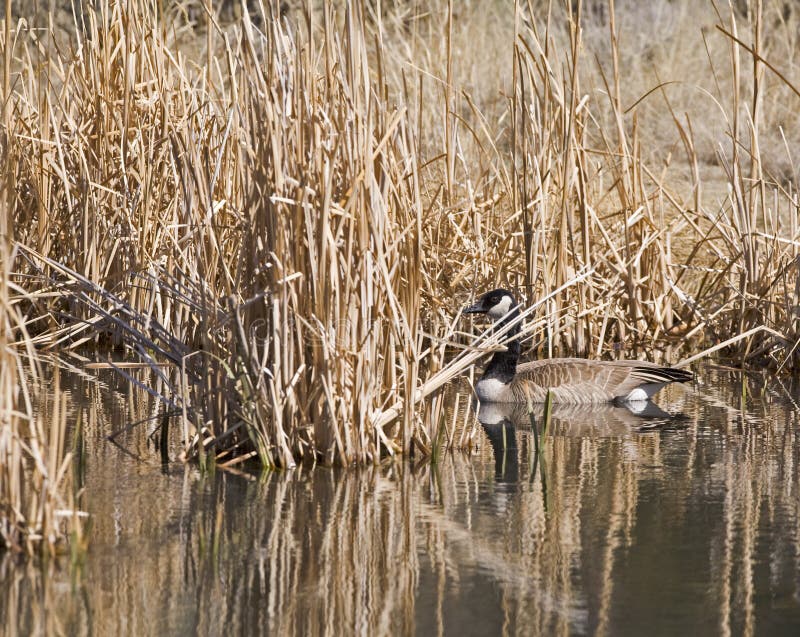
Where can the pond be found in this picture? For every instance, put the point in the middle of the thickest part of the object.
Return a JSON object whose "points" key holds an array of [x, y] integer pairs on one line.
{"points": [[622, 524]]}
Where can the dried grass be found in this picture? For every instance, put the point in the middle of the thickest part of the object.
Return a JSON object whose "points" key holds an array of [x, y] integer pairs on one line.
{"points": [[288, 210], [37, 511]]}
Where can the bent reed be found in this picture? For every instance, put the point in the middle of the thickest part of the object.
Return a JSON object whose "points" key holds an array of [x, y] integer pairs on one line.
{"points": [[282, 214]]}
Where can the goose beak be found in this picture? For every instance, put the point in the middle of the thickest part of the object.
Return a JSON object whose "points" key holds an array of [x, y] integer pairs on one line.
{"points": [[473, 309]]}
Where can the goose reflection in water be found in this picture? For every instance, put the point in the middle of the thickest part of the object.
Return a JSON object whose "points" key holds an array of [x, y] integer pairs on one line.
{"points": [[500, 422]]}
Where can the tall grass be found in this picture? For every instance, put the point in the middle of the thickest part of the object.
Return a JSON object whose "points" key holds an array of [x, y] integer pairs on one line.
{"points": [[590, 195], [37, 511], [287, 210]]}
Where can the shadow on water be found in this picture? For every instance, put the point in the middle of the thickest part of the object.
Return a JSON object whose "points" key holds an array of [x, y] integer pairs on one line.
{"points": [[649, 524]]}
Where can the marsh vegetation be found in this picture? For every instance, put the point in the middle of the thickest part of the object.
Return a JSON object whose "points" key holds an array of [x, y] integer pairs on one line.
{"points": [[278, 209]]}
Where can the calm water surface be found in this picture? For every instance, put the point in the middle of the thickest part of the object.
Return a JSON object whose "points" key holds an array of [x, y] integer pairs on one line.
{"points": [[622, 525]]}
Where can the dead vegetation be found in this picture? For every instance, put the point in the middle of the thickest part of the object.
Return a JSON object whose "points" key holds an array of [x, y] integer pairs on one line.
{"points": [[282, 212], [37, 503]]}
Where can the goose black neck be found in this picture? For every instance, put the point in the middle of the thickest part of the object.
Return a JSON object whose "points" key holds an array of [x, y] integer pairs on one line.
{"points": [[503, 365]]}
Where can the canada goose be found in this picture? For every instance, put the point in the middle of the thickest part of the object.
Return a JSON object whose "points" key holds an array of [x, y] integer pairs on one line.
{"points": [[571, 380]]}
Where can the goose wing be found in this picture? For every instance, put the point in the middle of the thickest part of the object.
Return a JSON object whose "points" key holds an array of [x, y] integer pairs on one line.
{"points": [[577, 380]]}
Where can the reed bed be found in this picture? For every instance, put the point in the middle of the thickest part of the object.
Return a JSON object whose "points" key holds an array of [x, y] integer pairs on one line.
{"points": [[37, 501], [280, 209]]}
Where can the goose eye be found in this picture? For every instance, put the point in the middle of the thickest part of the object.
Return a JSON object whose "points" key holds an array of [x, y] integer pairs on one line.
{"points": [[494, 300]]}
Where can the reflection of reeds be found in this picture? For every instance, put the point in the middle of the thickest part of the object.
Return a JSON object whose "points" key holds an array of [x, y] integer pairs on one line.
{"points": [[389, 548]]}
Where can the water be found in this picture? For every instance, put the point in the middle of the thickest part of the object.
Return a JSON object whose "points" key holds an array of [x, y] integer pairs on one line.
{"points": [[626, 526]]}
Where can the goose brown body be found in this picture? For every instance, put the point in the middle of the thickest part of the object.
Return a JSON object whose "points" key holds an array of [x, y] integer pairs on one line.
{"points": [[581, 381], [570, 380]]}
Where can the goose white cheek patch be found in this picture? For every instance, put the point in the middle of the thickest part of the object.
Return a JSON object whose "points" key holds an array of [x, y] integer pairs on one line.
{"points": [[502, 308]]}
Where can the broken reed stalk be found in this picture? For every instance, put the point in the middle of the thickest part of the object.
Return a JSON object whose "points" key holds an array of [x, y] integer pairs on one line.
{"points": [[488, 341]]}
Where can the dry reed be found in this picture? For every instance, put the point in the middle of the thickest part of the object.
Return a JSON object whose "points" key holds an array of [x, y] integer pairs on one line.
{"points": [[37, 512], [287, 209]]}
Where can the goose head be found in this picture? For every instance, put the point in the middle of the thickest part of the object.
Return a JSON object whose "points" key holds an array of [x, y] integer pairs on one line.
{"points": [[495, 304]]}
